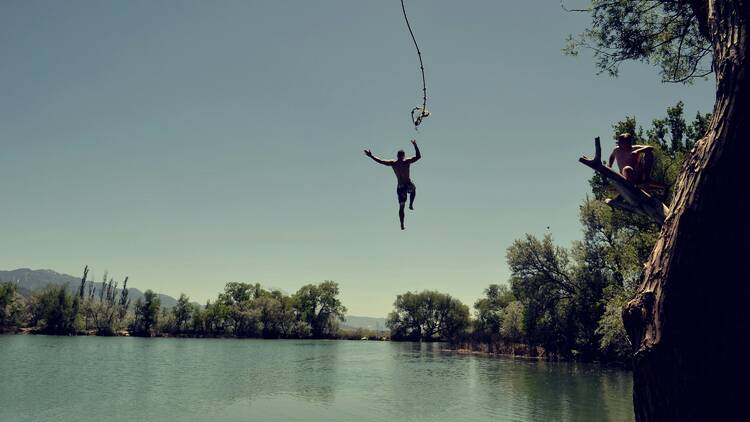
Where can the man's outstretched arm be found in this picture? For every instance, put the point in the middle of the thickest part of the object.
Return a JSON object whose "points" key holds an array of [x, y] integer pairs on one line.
{"points": [[378, 160], [416, 149]]}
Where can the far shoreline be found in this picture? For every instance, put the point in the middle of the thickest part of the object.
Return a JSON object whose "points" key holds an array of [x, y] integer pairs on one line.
{"points": [[92, 333], [450, 350]]}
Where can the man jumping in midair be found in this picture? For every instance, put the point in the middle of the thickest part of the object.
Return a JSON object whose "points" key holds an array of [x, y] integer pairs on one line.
{"points": [[405, 185]]}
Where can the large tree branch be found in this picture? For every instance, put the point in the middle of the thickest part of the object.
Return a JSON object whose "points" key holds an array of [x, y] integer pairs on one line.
{"points": [[633, 199]]}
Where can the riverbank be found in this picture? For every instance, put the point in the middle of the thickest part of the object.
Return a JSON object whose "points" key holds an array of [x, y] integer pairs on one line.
{"points": [[498, 350], [358, 335], [523, 351]]}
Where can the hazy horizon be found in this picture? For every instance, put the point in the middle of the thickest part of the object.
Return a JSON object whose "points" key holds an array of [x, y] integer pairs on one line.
{"points": [[187, 147]]}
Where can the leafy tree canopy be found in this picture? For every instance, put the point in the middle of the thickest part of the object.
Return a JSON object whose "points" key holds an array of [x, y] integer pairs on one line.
{"points": [[670, 34]]}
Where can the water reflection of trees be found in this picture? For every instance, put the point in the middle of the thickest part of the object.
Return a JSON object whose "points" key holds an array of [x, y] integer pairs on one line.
{"points": [[233, 373], [539, 390], [302, 369], [422, 380], [314, 370]]}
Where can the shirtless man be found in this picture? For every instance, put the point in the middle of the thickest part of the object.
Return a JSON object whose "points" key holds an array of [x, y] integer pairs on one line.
{"points": [[635, 161], [405, 185]]}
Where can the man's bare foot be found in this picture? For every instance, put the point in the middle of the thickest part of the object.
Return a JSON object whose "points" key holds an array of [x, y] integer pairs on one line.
{"points": [[403, 228], [411, 207]]}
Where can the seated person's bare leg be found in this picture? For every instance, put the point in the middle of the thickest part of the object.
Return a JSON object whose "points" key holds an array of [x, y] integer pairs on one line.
{"points": [[645, 164]]}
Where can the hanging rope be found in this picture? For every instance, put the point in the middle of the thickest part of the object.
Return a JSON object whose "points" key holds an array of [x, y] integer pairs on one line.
{"points": [[418, 113]]}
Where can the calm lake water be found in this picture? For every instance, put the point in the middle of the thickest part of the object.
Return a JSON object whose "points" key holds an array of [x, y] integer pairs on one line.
{"points": [[75, 379]]}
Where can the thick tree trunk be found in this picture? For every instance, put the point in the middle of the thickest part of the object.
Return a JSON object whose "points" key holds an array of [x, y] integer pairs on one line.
{"points": [[690, 321]]}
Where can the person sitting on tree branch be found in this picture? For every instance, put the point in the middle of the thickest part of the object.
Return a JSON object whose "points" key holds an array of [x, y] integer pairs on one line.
{"points": [[405, 185], [635, 161]]}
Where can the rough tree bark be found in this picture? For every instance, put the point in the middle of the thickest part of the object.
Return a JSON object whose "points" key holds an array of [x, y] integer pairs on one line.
{"points": [[690, 320]]}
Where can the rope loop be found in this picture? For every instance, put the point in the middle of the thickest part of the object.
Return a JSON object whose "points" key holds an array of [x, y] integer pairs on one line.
{"points": [[418, 114]]}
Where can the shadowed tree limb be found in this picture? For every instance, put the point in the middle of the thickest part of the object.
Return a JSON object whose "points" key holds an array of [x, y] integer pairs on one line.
{"points": [[632, 198]]}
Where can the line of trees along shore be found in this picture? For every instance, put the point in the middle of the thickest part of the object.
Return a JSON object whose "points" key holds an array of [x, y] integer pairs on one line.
{"points": [[559, 302], [242, 310]]}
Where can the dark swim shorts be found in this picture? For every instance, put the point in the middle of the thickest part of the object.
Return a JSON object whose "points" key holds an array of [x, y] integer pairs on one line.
{"points": [[404, 189]]}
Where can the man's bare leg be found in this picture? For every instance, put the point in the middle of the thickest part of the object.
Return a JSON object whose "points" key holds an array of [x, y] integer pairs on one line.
{"points": [[412, 195], [401, 215]]}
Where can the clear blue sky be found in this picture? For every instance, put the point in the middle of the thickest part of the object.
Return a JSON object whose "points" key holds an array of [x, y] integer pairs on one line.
{"points": [[191, 143]]}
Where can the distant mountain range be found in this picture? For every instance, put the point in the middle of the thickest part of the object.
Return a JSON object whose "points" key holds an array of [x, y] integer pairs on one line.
{"points": [[29, 280], [369, 323]]}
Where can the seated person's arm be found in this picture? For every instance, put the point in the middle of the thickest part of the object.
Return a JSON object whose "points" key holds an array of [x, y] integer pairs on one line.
{"points": [[416, 149], [641, 148], [378, 160], [611, 159]]}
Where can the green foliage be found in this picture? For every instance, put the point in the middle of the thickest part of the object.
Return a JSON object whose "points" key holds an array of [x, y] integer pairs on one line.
{"points": [[7, 297], [614, 341], [215, 319], [319, 306], [198, 320], [108, 312], [242, 316], [512, 327], [540, 266], [670, 34], [182, 313], [53, 310], [104, 314], [546, 281], [427, 316], [11, 307], [277, 315], [146, 314], [241, 310], [286, 320], [249, 310], [489, 310], [166, 323]]}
